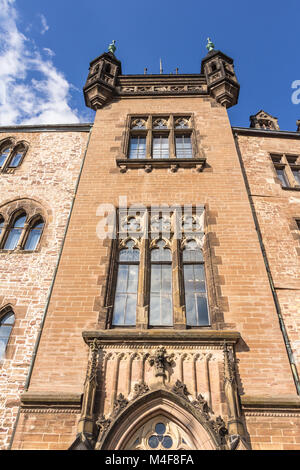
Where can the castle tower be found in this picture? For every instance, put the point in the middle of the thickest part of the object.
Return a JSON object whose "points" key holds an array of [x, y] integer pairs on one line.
{"points": [[161, 327]]}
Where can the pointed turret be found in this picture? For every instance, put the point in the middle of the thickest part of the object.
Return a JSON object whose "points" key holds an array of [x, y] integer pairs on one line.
{"points": [[102, 77], [221, 80]]}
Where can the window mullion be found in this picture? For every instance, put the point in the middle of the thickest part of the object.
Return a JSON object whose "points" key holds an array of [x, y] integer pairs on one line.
{"points": [[179, 317], [288, 172], [172, 138], [149, 139], [143, 283]]}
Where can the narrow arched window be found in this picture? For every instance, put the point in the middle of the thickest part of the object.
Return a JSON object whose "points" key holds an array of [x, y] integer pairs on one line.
{"points": [[16, 158], [1, 224], [194, 285], [34, 235], [4, 155], [127, 286], [6, 325], [161, 309], [15, 232]]}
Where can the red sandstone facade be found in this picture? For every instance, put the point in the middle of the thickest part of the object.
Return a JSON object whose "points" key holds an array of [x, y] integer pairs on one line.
{"points": [[230, 383]]}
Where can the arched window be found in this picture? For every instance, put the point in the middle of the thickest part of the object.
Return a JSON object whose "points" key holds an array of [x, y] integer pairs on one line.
{"points": [[161, 309], [16, 158], [34, 235], [6, 325], [127, 286], [194, 285], [14, 233], [1, 224], [4, 155]]}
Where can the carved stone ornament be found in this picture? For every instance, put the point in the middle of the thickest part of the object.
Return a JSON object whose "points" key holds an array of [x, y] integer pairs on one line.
{"points": [[140, 389], [160, 360], [103, 424], [180, 389], [119, 404]]}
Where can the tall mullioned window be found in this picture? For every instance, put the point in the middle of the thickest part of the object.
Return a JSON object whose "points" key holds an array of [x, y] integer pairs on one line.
{"points": [[153, 270]]}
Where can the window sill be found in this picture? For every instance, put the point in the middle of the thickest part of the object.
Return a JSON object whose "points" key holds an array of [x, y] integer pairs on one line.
{"points": [[148, 164], [289, 188]]}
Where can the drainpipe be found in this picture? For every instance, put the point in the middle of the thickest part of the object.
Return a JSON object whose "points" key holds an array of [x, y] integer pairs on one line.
{"points": [[37, 343], [274, 293]]}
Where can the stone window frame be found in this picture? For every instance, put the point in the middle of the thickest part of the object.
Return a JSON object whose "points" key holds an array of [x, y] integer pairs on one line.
{"points": [[9, 213], [172, 162], [16, 146], [145, 245], [4, 311], [287, 163]]}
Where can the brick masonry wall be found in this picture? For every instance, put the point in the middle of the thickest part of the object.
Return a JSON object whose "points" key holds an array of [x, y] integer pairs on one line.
{"points": [[242, 284], [276, 211], [46, 178], [274, 431], [46, 431]]}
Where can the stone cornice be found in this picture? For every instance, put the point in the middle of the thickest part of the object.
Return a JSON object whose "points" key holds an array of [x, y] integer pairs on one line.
{"points": [[277, 402], [86, 127], [160, 336], [265, 133], [183, 84], [59, 400]]}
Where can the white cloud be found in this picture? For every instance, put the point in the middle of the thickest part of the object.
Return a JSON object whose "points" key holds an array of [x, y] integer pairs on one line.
{"points": [[43, 99], [45, 27], [49, 51]]}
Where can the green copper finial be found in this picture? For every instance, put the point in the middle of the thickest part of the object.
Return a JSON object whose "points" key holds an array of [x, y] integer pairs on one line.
{"points": [[112, 47], [210, 45]]}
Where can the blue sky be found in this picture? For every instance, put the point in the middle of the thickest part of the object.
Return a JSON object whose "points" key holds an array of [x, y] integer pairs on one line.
{"points": [[46, 47]]}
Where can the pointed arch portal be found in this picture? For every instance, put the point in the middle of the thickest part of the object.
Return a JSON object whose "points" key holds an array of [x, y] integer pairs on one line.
{"points": [[159, 420]]}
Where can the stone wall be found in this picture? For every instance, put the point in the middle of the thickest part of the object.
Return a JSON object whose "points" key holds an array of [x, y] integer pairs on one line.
{"points": [[45, 180]]}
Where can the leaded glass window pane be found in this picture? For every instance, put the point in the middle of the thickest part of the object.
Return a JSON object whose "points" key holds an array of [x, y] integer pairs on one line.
{"points": [[194, 285], [160, 146], [282, 177], [3, 155], [137, 147], [6, 325], [15, 233], [15, 161], [34, 236], [161, 308], [183, 146], [296, 174], [127, 286]]}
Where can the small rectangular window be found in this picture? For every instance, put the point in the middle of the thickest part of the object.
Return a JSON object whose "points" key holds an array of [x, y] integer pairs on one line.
{"points": [[183, 146], [137, 147], [160, 146], [281, 175]]}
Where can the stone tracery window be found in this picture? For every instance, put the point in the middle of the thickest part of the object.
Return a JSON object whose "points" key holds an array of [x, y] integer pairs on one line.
{"points": [[11, 155], [160, 433], [157, 141], [154, 272], [19, 232]]}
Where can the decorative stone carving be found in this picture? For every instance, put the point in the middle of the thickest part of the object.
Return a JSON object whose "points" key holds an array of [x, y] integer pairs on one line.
{"points": [[119, 404], [180, 389], [160, 360], [263, 120], [140, 389]]}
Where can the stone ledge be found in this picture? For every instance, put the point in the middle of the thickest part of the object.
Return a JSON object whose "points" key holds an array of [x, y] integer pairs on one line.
{"points": [[183, 337], [51, 399], [252, 402]]}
